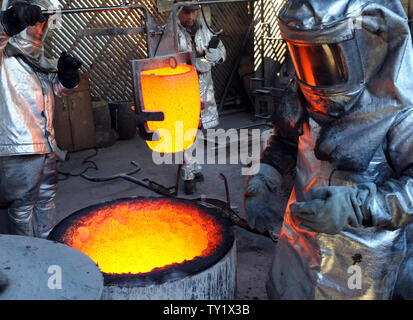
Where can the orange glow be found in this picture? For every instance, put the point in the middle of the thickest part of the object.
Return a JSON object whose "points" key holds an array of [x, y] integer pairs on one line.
{"points": [[136, 237], [176, 93], [305, 62]]}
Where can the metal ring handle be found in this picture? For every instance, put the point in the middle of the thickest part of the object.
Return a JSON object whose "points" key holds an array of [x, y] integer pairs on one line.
{"points": [[173, 63]]}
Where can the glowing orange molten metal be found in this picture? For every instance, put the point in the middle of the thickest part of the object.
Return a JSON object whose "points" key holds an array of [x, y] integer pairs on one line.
{"points": [[176, 93], [136, 237]]}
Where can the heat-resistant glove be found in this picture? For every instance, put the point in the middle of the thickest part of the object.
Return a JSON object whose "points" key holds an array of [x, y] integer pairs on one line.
{"points": [[20, 16], [213, 56], [330, 209], [68, 70], [260, 188], [202, 65]]}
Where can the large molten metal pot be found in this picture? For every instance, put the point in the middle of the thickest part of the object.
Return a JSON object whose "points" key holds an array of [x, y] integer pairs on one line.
{"points": [[155, 248], [175, 92]]}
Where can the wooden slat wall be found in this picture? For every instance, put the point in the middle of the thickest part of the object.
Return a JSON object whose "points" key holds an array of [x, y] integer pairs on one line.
{"points": [[106, 58], [268, 46], [405, 4], [234, 19]]}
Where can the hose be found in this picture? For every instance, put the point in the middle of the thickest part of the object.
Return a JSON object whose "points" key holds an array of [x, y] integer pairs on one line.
{"points": [[67, 175], [216, 33]]}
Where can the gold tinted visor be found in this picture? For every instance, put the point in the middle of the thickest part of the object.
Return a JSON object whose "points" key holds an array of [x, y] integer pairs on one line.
{"points": [[319, 65]]}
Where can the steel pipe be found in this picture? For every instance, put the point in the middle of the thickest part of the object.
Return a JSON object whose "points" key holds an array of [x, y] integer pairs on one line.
{"points": [[126, 6]]}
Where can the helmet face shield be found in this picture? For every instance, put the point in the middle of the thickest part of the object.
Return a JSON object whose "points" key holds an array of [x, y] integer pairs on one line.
{"points": [[37, 33], [319, 65]]}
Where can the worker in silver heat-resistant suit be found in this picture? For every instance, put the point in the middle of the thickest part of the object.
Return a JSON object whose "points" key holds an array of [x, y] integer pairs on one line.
{"points": [[194, 35], [347, 230], [28, 82]]}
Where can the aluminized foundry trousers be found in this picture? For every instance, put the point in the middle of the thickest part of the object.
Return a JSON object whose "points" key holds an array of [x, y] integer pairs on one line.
{"points": [[191, 165], [28, 186]]}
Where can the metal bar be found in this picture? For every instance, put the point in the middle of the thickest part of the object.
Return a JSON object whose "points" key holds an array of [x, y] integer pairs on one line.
{"points": [[132, 7], [222, 176], [93, 9], [234, 217], [95, 32], [212, 2]]}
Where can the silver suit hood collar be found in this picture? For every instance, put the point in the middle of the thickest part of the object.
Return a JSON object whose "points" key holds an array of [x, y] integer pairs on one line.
{"points": [[319, 14], [25, 46]]}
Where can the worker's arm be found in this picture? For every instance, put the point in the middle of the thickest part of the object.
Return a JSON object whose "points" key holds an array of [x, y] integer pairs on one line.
{"points": [[392, 204], [388, 205], [288, 120], [278, 161], [264, 190]]}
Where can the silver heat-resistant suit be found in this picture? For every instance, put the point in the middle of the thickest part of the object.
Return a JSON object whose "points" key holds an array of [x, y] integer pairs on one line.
{"points": [[28, 83], [346, 232], [205, 60]]}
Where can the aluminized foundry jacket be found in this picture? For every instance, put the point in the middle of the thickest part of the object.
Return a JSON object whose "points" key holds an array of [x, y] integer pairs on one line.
{"points": [[359, 131], [26, 105], [209, 115]]}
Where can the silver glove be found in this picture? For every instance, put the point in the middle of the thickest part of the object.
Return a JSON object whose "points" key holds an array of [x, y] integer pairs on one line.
{"points": [[330, 209], [213, 56], [202, 65], [260, 189]]}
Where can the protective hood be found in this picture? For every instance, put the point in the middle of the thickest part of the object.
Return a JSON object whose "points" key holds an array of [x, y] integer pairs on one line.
{"points": [[28, 44], [188, 8], [353, 61]]}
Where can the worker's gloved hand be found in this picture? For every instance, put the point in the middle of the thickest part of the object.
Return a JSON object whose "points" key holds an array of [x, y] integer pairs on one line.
{"points": [[259, 190], [202, 65], [20, 16], [68, 70], [213, 56], [330, 209]]}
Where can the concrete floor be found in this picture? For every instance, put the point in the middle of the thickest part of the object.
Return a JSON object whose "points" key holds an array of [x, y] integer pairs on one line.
{"points": [[254, 252]]}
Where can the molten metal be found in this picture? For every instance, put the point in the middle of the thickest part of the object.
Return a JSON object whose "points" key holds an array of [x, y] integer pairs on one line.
{"points": [[137, 237], [176, 93]]}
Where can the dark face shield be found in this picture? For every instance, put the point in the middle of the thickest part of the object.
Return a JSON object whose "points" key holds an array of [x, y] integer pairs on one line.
{"points": [[319, 65]]}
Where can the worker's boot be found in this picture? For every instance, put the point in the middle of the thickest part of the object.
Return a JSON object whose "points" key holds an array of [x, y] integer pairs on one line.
{"points": [[189, 186], [191, 173], [199, 177]]}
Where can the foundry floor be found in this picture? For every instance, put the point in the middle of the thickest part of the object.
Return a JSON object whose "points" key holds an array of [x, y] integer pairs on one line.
{"points": [[254, 252]]}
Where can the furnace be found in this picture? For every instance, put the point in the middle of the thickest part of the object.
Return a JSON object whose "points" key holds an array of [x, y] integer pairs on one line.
{"points": [[155, 248]]}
